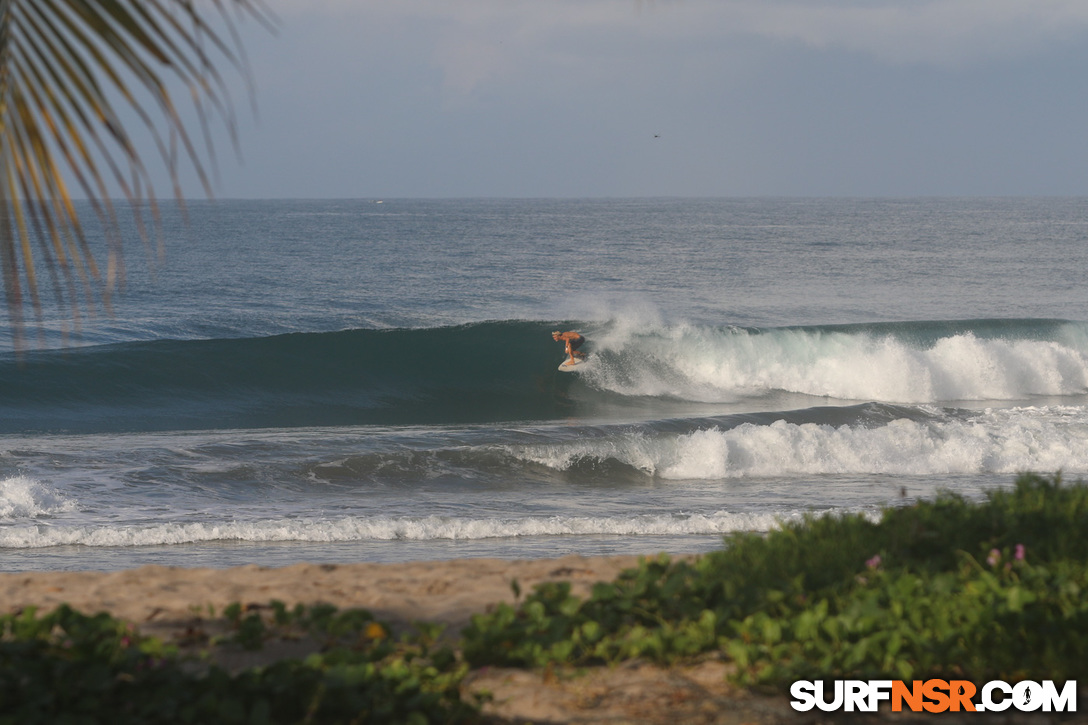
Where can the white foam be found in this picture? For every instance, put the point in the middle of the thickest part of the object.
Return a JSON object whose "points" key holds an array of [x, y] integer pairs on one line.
{"points": [[994, 441], [713, 365], [21, 497], [385, 529]]}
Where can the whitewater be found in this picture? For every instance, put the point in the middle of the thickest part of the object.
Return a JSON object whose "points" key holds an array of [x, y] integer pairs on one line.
{"points": [[345, 381]]}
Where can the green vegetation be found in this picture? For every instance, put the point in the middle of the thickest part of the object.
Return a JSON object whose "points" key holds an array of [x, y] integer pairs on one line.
{"points": [[66, 667], [944, 588]]}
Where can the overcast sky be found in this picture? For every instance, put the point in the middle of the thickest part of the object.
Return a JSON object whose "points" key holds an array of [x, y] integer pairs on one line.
{"points": [[574, 98]]}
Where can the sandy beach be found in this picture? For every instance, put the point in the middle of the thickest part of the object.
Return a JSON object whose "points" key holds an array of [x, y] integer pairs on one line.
{"points": [[157, 598], [169, 602]]}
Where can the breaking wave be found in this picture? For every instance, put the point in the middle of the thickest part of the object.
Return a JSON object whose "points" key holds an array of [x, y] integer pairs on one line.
{"points": [[506, 371]]}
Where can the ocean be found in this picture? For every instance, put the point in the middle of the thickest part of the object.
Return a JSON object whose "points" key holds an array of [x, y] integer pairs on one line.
{"points": [[375, 380]]}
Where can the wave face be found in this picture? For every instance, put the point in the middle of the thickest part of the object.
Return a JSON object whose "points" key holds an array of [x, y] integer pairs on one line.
{"points": [[467, 374], [506, 371]]}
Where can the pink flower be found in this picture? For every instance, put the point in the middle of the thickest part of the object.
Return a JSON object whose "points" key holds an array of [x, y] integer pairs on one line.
{"points": [[874, 562], [1019, 552], [994, 557]]}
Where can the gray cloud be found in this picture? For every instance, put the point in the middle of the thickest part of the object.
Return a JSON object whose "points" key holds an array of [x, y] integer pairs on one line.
{"points": [[904, 31], [667, 97]]}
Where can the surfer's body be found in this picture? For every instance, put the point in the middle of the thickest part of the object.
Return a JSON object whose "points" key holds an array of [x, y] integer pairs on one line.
{"points": [[573, 341]]}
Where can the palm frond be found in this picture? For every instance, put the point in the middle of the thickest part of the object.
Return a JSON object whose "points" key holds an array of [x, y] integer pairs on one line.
{"points": [[64, 64]]}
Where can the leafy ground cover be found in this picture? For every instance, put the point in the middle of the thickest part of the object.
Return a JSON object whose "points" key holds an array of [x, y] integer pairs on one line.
{"points": [[990, 590], [948, 587], [67, 667]]}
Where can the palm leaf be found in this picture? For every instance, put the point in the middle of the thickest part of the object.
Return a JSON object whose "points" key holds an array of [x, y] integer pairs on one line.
{"points": [[64, 64]]}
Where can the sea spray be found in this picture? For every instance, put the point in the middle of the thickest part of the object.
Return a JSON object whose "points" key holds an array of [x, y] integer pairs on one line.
{"points": [[889, 362], [22, 497]]}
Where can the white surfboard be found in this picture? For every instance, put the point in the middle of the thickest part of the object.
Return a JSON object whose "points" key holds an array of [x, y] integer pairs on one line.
{"points": [[578, 364]]}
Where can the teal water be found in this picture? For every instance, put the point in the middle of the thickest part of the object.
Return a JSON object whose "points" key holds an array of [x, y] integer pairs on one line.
{"points": [[347, 380]]}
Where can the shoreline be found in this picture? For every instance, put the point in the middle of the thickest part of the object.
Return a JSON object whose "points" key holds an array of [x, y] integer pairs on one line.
{"points": [[186, 606]]}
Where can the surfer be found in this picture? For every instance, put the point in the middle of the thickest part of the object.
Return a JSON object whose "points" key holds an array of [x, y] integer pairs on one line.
{"points": [[574, 341]]}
